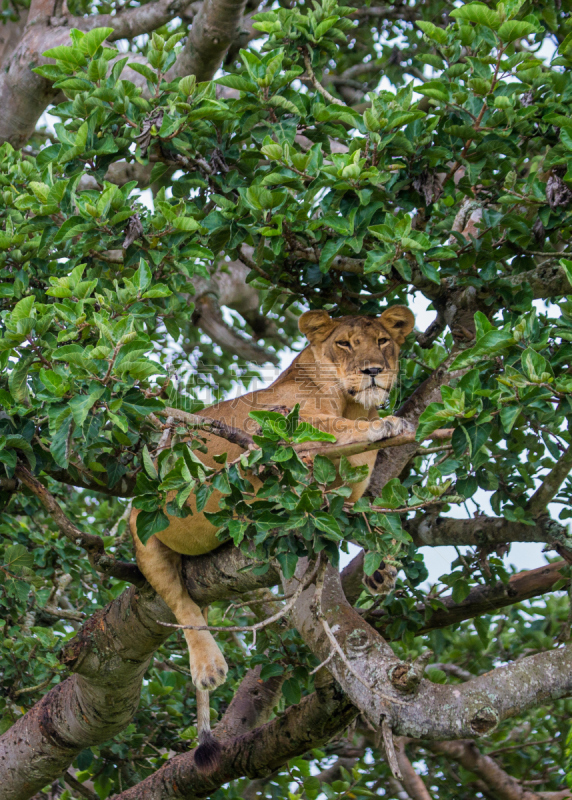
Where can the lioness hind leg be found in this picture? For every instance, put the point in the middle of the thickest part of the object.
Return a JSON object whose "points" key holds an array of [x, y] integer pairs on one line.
{"points": [[163, 569]]}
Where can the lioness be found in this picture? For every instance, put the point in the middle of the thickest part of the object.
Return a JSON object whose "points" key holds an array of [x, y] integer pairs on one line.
{"points": [[339, 381]]}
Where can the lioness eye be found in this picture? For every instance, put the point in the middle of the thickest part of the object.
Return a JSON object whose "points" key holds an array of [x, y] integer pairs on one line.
{"points": [[383, 341], [344, 344]]}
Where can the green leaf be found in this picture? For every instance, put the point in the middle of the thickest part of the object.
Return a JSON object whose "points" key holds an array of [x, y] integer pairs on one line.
{"points": [[566, 265], [144, 70], [271, 671], [17, 380], [288, 563], [221, 484], [143, 277], [329, 252], [307, 433], [534, 365], [187, 224], [434, 416], [351, 474], [436, 675], [490, 344], [16, 557], [328, 524], [371, 562], [433, 32], [94, 38], [508, 416], [80, 405], [151, 522], [17, 442], [514, 29], [59, 444], [324, 470], [202, 496], [292, 691], [22, 310], [482, 628], [461, 589], [148, 465], [478, 13], [72, 56]]}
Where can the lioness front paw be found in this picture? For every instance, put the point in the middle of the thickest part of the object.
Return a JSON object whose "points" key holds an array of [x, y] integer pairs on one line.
{"points": [[209, 670], [383, 579], [388, 427]]}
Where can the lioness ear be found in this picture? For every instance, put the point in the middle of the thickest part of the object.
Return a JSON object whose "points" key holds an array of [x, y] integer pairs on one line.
{"points": [[315, 325], [399, 321]]}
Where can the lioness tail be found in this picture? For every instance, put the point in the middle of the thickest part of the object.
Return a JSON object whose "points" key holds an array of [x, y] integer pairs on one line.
{"points": [[207, 754]]}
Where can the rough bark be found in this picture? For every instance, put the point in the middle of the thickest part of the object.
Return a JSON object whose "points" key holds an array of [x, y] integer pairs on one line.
{"points": [[412, 782], [482, 531], [24, 95], [110, 654], [132, 22], [256, 754], [488, 599], [469, 756], [214, 29], [547, 280], [370, 675], [108, 657], [252, 704]]}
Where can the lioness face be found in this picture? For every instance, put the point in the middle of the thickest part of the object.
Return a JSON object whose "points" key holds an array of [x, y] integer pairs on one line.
{"points": [[360, 353]]}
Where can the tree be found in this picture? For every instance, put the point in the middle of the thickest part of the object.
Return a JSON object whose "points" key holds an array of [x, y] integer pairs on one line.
{"points": [[292, 181]]}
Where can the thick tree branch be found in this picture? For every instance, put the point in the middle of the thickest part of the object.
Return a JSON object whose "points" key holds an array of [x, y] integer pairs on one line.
{"points": [[109, 657], [484, 599], [197, 421], [214, 29], [352, 448], [412, 782], [134, 21], [23, 94], [251, 706], [433, 711], [466, 753], [207, 316], [547, 280], [314, 721], [482, 531]]}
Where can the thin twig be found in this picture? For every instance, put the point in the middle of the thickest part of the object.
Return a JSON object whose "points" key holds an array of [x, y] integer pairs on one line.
{"points": [[77, 786], [324, 663], [316, 83], [28, 689], [93, 545], [76, 616]]}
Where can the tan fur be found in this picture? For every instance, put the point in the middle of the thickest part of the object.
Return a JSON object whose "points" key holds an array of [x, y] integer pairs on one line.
{"points": [[327, 379]]}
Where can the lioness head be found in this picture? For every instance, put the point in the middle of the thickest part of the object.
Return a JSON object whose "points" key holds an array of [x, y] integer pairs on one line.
{"points": [[360, 352]]}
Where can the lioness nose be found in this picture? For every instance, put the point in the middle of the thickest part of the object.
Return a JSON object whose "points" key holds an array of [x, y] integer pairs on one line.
{"points": [[373, 371]]}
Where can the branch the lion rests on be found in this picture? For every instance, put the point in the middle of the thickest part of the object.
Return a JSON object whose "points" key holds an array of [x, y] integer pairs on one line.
{"points": [[339, 381]]}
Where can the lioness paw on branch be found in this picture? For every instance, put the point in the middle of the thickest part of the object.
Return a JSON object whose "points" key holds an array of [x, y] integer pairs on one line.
{"points": [[338, 381]]}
